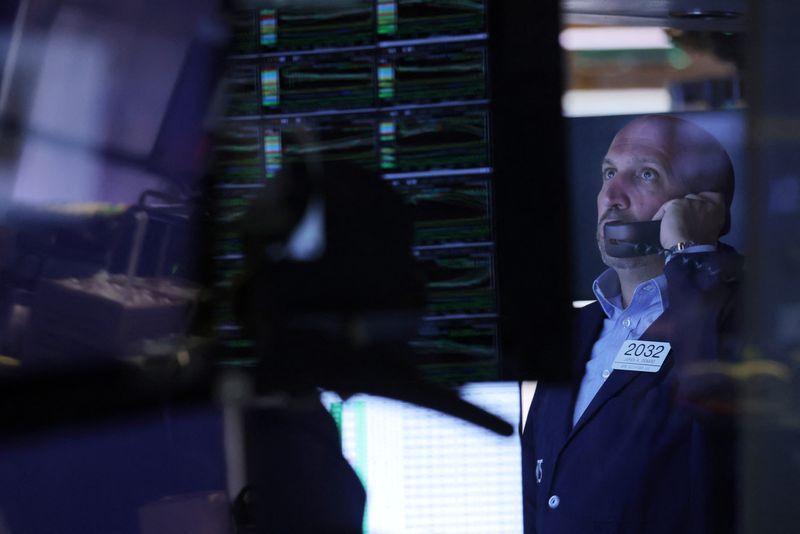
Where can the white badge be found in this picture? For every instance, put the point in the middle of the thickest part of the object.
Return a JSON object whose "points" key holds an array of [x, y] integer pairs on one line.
{"points": [[646, 356]]}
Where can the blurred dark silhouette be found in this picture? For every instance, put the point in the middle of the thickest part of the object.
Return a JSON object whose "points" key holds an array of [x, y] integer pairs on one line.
{"points": [[330, 295]]}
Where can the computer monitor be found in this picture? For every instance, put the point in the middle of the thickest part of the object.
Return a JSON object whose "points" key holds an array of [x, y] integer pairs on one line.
{"points": [[426, 472], [443, 101]]}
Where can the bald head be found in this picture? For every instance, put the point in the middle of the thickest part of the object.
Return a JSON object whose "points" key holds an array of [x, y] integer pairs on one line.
{"points": [[696, 159]]}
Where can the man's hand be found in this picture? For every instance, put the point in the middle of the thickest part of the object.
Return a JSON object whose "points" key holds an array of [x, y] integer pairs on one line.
{"points": [[696, 217]]}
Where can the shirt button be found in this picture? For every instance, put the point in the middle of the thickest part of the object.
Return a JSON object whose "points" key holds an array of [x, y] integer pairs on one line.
{"points": [[553, 502], [648, 287], [626, 323], [606, 373]]}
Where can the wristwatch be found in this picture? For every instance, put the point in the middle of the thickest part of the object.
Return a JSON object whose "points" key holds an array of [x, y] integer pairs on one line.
{"points": [[680, 246]]}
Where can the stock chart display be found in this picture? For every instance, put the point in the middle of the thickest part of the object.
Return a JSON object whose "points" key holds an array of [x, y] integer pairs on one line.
{"points": [[400, 87]]}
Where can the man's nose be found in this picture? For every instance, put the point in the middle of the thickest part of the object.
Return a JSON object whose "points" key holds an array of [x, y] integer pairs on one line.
{"points": [[614, 193]]}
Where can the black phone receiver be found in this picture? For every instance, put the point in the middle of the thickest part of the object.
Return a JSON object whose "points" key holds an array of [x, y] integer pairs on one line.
{"points": [[630, 239]]}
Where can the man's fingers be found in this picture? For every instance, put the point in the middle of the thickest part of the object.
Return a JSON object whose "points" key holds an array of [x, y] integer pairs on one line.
{"points": [[663, 209], [713, 197], [713, 202]]}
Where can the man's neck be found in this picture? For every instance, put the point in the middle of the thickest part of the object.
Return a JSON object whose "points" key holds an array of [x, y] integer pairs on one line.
{"points": [[629, 279]]}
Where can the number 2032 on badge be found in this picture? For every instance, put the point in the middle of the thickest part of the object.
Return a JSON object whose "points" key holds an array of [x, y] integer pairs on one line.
{"points": [[645, 356]]}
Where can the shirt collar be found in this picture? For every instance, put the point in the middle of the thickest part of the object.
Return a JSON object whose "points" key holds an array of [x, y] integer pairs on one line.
{"points": [[609, 294]]}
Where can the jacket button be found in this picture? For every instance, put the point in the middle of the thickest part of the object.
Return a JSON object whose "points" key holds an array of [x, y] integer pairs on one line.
{"points": [[553, 502]]}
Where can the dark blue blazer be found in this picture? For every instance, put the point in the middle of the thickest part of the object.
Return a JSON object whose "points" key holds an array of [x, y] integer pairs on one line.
{"points": [[653, 452]]}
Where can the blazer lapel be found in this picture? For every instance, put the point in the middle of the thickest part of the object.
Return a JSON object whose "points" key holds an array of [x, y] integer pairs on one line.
{"points": [[562, 400], [588, 328]]}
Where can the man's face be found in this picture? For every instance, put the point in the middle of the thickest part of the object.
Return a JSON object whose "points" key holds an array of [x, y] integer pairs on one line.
{"points": [[638, 177]]}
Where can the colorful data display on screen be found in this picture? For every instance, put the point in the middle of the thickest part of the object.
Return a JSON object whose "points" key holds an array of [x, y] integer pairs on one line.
{"points": [[400, 87]]}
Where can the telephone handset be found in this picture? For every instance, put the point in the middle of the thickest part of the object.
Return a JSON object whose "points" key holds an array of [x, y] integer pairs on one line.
{"points": [[629, 239]]}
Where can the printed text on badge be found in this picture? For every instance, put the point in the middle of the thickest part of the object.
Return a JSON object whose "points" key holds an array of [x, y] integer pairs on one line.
{"points": [[646, 356]]}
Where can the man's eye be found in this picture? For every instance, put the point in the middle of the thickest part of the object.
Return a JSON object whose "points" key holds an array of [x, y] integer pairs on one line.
{"points": [[609, 173], [648, 175]]}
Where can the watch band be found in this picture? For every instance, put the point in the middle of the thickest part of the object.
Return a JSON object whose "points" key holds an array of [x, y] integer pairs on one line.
{"points": [[680, 246]]}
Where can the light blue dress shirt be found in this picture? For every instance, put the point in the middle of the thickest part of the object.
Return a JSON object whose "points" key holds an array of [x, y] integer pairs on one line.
{"points": [[648, 303]]}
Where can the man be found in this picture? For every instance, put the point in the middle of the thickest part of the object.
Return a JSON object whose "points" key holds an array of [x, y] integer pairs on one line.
{"points": [[638, 447]]}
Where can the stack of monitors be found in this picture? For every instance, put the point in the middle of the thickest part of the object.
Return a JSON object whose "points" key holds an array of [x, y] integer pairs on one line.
{"points": [[397, 86]]}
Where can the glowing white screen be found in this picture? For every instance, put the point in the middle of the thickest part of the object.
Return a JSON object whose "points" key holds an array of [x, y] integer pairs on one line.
{"points": [[429, 473]]}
